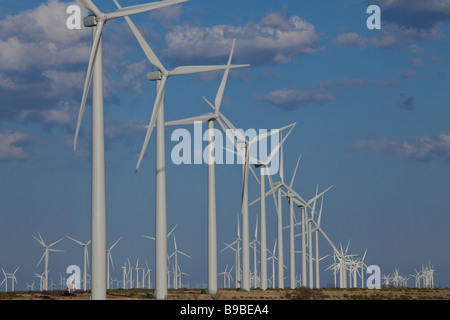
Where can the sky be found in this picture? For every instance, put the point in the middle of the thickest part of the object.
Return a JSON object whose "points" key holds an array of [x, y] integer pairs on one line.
{"points": [[371, 108]]}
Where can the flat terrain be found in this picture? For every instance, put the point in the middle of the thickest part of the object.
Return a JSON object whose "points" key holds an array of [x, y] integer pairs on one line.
{"points": [[233, 294]]}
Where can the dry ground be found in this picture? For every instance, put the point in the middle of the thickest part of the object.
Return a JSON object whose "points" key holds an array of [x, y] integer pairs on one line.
{"points": [[232, 294]]}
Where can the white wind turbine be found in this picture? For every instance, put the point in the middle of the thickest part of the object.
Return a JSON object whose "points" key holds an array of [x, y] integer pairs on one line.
{"points": [[237, 251], [254, 244], [30, 287], [273, 257], [85, 261], [45, 255], [95, 73], [109, 258], [41, 280], [158, 113], [175, 255], [11, 276], [210, 118]]}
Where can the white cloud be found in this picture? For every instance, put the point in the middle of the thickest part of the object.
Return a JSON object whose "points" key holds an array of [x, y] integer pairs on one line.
{"points": [[64, 114], [425, 149], [290, 99], [353, 39], [274, 39], [12, 145], [39, 38]]}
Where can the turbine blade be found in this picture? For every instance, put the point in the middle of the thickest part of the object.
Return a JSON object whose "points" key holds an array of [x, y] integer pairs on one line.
{"points": [[56, 250], [320, 212], [41, 259], [279, 145], [126, 11], [281, 163], [320, 194], [236, 132], [55, 242], [87, 83], [151, 56], [295, 171], [88, 4], [114, 244], [184, 254], [75, 240], [269, 133], [153, 117], [41, 242], [221, 89], [191, 120], [198, 69], [168, 235]]}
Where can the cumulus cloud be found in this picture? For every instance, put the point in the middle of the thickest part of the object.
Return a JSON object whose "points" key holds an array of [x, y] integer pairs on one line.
{"points": [[353, 39], [275, 39], [39, 38], [12, 145], [43, 65], [64, 114], [425, 149], [290, 98]]}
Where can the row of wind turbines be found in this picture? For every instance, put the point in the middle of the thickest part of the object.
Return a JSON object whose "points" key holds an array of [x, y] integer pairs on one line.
{"points": [[306, 228]]}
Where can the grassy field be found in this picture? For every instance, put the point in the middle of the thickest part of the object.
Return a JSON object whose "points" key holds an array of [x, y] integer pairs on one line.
{"points": [[233, 294]]}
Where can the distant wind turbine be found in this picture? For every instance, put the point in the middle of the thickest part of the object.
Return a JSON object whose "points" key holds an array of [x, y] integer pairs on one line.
{"points": [[109, 258], [45, 255], [85, 260]]}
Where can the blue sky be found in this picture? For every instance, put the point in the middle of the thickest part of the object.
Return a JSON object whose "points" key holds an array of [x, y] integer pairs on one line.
{"points": [[371, 107]]}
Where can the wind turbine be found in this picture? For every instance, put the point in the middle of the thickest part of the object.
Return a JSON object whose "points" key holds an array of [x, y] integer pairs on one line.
{"points": [[109, 258], [273, 257], [210, 118], [237, 254], [41, 280], [86, 259], [175, 254], [254, 244], [95, 73], [11, 276], [45, 254]]}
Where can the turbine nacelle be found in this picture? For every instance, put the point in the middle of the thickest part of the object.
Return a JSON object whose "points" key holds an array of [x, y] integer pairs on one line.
{"points": [[90, 21], [154, 76]]}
